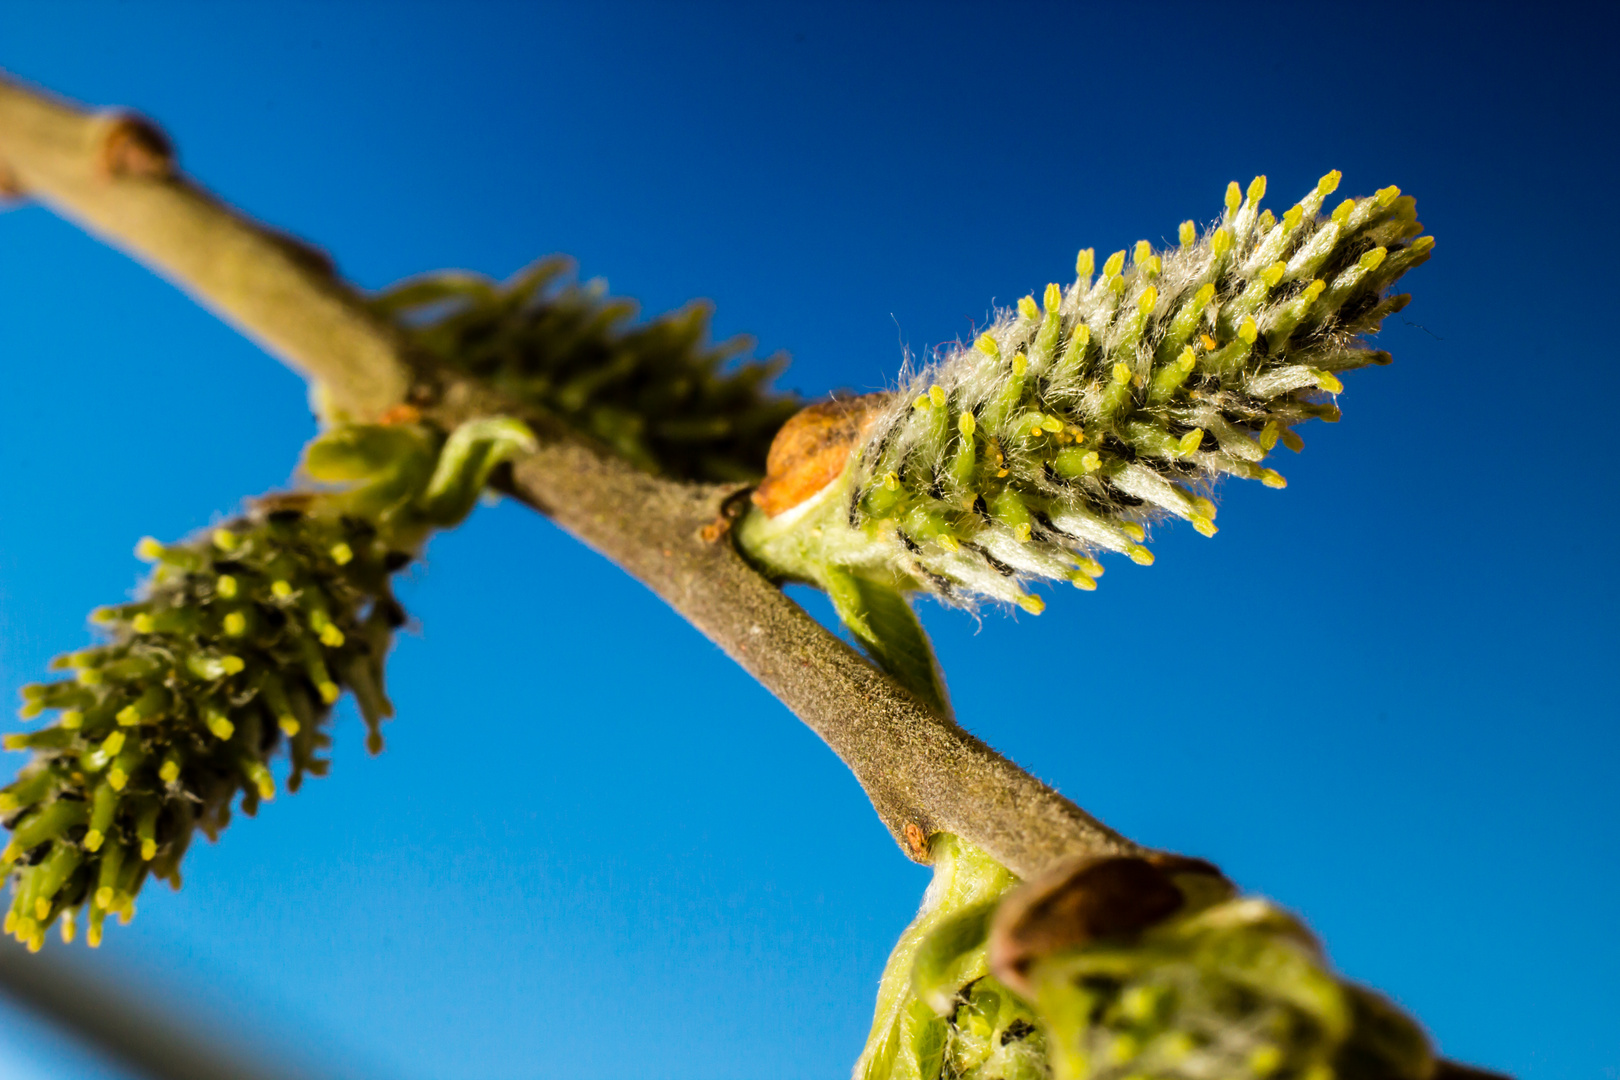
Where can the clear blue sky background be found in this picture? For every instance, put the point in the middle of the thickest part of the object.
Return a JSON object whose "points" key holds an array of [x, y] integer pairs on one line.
{"points": [[594, 848]]}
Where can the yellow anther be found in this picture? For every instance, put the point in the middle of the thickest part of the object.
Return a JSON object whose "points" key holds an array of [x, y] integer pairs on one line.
{"points": [[1189, 442], [1115, 264], [332, 637], [1187, 360], [1293, 441], [1234, 197], [170, 772], [1052, 424], [221, 727], [1268, 435], [149, 549], [1116, 285], [1023, 532], [1153, 265], [1134, 531], [1053, 297], [921, 402], [235, 624], [1342, 211], [1265, 1060], [329, 692], [1272, 478], [1082, 336], [948, 542], [966, 424], [143, 623], [225, 540], [1273, 274], [1248, 330], [93, 840], [891, 480], [1204, 506], [89, 676], [11, 922], [117, 778], [1220, 243], [1421, 244], [104, 897], [1267, 220], [1035, 430], [1149, 297], [1020, 363], [113, 744], [1327, 381], [1089, 565], [1141, 556], [936, 394], [1207, 342], [1205, 293], [1090, 461], [289, 727], [232, 665], [127, 912], [36, 941], [1385, 196], [341, 553], [1329, 183], [1314, 289], [1142, 253], [1122, 374], [1081, 581], [1085, 262], [92, 936], [987, 345], [128, 716], [225, 586], [148, 849], [1373, 259], [1257, 189], [1032, 604], [10, 854], [1028, 308], [267, 788], [1292, 217], [280, 589], [1187, 234], [68, 927]]}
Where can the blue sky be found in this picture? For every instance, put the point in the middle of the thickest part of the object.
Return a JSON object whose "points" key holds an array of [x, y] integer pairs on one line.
{"points": [[594, 848]]}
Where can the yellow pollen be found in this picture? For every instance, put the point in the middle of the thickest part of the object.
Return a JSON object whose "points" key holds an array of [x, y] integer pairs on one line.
{"points": [[329, 692], [148, 549], [232, 665], [1149, 297], [1248, 331], [1203, 525], [1032, 604], [113, 743], [341, 553], [1134, 531], [221, 727], [225, 540], [1385, 196], [1342, 211], [1292, 217], [891, 481], [93, 840], [987, 345], [1141, 556], [1081, 581], [1052, 297], [1207, 342], [225, 586], [966, 424], [1143, 252], [235, 624], [1220, 243], [1273, 274], [1234, 197], [280, 590], [1115, 263], [1028, 309], [1373, 259], [142, 623], [1272, 478], [169, 772], [148, 850], [267, 787], [331, 636], [117, 778], [1187, 234], [1329, 183], [1085, 262], [1122, 374], [1257, 189], [104, 897], [289, 726], [936, 394]]}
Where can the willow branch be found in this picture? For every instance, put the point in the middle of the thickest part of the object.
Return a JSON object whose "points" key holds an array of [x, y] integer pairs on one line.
{"points": [[113, 174]]}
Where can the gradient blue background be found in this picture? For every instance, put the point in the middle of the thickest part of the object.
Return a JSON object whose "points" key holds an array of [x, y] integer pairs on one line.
{"points": [[1379, 696]]}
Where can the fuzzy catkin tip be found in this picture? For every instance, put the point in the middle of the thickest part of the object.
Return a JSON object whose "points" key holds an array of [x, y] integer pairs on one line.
{"points": [[1078, 418]]}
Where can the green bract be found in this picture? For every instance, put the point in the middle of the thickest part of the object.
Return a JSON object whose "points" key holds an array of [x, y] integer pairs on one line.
{"points": [[656, 393], [241, 643], [1075, 420]]}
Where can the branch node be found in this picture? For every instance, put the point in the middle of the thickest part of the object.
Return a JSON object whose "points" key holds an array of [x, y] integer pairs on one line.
{"points": [[133, 146]]}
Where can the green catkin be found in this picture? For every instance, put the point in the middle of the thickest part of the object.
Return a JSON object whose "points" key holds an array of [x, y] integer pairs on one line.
{"points": [[656, 393], [244, 638], [1165, 373]]}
